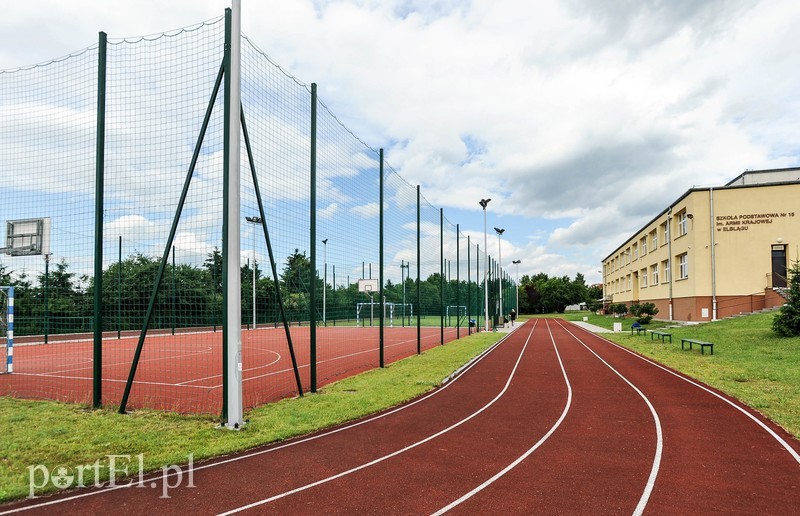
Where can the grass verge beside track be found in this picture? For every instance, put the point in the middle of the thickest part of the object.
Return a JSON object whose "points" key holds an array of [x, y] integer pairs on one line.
{"points": [[750, 362], [52, 434]]}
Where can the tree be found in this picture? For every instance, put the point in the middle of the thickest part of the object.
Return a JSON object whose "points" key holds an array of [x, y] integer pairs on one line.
{"points": [[619, 309], [787, 322], [595, 292], [643, 312]]}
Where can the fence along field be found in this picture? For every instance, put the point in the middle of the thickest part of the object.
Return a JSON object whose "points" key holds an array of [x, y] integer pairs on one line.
{"points": [[121, 148]]}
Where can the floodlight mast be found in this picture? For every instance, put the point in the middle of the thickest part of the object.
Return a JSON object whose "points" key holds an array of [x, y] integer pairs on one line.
{"points": [[484, 203], [517, 262], [499, 273]]}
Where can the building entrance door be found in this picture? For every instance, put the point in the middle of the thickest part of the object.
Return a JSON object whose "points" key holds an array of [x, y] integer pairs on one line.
{"points": [[778, 265]]}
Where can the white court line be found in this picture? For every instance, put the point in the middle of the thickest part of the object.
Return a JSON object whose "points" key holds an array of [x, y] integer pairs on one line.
{"points": [[688, 380], [651, 479], [395, 453], [277, 358], [530, 450], [164, 475], [113, 380]]}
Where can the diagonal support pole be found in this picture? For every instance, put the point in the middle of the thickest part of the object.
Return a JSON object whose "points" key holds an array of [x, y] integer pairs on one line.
{"points": [[137, 355], [271, 256]]}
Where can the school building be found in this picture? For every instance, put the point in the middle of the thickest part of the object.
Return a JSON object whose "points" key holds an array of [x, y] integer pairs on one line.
{"points": [[714, 252]]}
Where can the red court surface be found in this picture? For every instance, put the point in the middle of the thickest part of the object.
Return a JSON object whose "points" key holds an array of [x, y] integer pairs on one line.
{"points": [[183, 372], [552, 420]]}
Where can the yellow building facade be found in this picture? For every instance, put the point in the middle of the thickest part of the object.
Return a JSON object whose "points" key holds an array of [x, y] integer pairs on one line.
{"points": [[714, 252]]}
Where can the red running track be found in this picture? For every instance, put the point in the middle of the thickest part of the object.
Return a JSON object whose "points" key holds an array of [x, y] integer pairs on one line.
{"points": [[553, 419]]}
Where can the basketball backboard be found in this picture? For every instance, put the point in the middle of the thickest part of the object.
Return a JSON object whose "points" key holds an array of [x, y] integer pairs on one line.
{"points": [[368, 286], [27, 237]]}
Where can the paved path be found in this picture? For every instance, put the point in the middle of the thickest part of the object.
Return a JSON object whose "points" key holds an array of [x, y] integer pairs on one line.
{"points": [[554, 419]]}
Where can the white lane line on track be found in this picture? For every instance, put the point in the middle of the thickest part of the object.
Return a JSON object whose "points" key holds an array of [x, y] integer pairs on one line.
{"points": [[532, 449], [651, 479], [688, 380], [157, 477], [395, 453]]}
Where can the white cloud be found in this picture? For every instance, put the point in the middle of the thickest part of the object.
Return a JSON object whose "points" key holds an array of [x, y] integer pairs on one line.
{"points": [[580, 119]]}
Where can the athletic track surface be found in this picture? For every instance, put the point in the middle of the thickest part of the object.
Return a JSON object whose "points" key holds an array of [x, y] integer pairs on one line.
{"points": [[552, 420]]}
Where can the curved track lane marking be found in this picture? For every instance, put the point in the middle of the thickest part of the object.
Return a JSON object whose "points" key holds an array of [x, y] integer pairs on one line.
{"points": [[157, 476], [395, 453], [688, 380], [651, 480], [525, 455]]}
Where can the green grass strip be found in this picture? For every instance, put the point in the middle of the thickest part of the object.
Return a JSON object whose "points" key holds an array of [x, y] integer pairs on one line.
{"points": [[53, 434]]}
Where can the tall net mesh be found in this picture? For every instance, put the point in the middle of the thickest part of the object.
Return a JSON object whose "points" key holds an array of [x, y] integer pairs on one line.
{"points": [[400, 265], [158, 91], [162, 211], [47, 162]]}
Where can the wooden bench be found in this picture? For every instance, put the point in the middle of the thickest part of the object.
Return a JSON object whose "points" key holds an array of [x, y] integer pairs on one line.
{"points": [[703, 345], [661, 335], [638, 328]]}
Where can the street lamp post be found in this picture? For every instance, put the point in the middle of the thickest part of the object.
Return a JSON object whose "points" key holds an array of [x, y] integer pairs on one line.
{"points": [[254, 220], [500, 232], [516, 263], [484, 203], [325, 282], [402, 279]]}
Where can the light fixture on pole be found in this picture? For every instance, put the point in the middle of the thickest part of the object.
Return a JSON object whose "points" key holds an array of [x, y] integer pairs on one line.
{"points": [[254, 220], [516, 263], [325, 282], [499, 275], [402, 279], [484, 203]]}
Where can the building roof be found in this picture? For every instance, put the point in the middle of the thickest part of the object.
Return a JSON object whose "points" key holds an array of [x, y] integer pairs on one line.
{"points": [[747, 179], [761, 177]]}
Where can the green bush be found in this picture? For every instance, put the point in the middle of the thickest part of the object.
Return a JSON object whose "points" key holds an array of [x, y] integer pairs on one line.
{"points": [[787, 321], [644, 312], [619, 309]]}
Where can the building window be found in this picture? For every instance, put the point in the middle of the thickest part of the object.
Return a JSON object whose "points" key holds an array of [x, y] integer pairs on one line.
{"points": [[643, 245], [643, 276], [683, 223], [654, 243], [683, 264], [635, 252], [629, 281], [665, 230], [654, 273], [665, 266]]}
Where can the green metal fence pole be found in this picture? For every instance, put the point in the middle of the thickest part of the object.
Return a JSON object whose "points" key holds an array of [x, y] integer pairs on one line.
{"points": [[119, 290], [441, 276], [419, 297], [469, 301], [172, 288], [382, 303], [313, 243], [97, 347], [46, 298], [458, 283]]}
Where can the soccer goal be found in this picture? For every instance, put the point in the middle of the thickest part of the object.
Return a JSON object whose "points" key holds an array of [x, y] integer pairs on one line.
{"points": [[7, 329], [457, 311]]}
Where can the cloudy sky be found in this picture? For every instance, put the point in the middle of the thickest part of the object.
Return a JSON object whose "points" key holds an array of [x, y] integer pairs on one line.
{"points": [[581, 119]]}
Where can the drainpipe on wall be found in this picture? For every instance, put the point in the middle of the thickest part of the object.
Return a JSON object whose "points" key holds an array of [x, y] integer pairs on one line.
{"points": [[669, 250], [713, 258]]}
